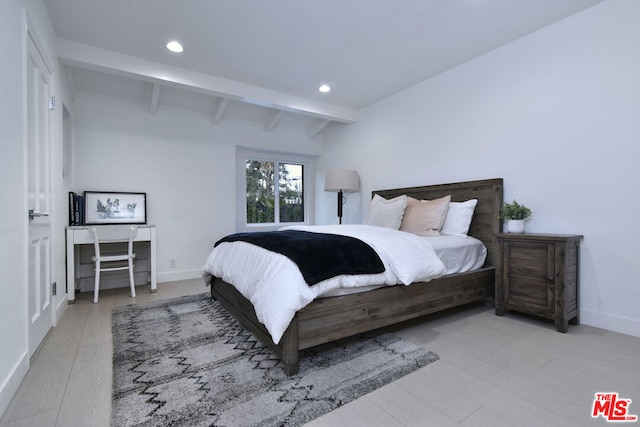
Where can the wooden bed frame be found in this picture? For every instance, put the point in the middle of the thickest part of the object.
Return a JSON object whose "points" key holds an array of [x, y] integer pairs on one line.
{"points": [[328, 319]]}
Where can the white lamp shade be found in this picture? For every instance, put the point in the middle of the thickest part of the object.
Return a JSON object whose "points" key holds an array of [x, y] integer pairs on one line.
{"points": [[341, 180]]}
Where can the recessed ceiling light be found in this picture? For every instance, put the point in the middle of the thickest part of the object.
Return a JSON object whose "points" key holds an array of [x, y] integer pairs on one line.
{"points": [[324, 88], [174, 46]]}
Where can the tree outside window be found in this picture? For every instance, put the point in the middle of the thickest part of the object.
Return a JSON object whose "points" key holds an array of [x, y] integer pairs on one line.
{"points": [[270, 203]]}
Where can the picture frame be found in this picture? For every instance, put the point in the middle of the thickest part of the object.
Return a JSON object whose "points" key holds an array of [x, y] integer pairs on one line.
{"points": [[114, 207]]}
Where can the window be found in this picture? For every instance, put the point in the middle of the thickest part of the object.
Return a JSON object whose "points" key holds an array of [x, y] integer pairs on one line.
{"points": [[275, 192], [272, 190]]}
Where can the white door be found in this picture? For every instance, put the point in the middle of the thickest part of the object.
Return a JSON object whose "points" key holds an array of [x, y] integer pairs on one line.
{"points": [[38, 77]]}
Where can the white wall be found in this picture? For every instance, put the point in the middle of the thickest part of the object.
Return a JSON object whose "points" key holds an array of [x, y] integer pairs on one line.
{"points": [[556, 115], [181, 159], [14, 357]]}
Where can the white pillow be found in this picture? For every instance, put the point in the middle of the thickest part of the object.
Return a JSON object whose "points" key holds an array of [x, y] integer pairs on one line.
{"points": [[458, 219], [387, 213]]}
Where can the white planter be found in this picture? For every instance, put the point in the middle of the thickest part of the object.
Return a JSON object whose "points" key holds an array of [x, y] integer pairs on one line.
{"points": [[515, 226]]}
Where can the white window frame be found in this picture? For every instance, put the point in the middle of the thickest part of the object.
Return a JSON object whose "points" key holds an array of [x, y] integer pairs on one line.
{"points": [[308, 172]]}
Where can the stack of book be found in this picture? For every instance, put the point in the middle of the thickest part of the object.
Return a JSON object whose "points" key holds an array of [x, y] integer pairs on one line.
{"points": [[76, 208]]}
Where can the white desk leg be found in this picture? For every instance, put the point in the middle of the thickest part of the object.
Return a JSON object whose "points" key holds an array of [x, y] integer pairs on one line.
{"points": [[71, 269], [152, 246]]}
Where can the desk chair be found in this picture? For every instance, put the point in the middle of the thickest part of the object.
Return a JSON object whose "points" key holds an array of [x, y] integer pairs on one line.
{"points": [[113, 262]]}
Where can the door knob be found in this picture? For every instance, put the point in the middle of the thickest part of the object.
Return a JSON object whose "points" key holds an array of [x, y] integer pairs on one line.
{"points": [[33, 214]]}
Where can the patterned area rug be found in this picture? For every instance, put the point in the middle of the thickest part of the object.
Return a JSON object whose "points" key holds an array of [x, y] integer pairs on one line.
{"points": [[186, 361]]}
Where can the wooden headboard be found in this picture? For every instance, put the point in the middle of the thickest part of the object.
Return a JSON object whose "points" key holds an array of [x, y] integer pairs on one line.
{"points": [[486, 222]]}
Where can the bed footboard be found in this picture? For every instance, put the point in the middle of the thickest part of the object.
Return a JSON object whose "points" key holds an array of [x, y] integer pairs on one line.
{"points": [[243, 311]]}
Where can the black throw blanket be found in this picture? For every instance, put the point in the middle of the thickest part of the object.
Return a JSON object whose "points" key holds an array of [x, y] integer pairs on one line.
{"points": [[319, 256]]}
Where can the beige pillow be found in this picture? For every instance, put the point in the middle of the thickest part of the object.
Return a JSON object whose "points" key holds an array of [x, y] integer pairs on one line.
{"points": [[425, 217]]}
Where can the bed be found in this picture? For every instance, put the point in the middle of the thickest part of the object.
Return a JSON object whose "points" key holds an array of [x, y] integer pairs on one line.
{"points": [[330, 318]]}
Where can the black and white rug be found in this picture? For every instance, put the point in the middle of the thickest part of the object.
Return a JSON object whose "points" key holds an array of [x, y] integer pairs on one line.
{"points": [[186, 361]]}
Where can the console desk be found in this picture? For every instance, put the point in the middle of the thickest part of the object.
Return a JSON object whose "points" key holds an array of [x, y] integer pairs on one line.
{"points": [[79, 235]]}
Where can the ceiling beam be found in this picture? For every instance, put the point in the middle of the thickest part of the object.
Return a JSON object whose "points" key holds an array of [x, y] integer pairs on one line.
{"points": [[219, 113], [85, 56], [316, 128], [274, 121]]}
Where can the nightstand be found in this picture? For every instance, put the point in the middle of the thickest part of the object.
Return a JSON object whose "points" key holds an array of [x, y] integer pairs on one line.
{"points": [[538, 274]]}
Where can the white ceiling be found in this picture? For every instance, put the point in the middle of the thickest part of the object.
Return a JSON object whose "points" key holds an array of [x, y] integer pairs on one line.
{"points": [[276, 53]]}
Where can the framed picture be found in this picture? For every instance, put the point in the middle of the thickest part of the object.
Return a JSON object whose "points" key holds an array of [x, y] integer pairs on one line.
{"points": [[111, 207]]}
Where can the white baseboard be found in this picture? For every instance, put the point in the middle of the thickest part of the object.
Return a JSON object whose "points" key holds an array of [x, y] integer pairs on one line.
{"points": [[598, 319], [60, 307], [179, 275], [112, 281], [11, 385]]}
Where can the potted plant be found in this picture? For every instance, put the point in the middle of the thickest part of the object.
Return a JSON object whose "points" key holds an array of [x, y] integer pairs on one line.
{"points": [[515, 214]]}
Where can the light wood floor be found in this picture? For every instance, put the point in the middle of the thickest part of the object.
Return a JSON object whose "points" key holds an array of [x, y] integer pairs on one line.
{"points": [[493, 371]]}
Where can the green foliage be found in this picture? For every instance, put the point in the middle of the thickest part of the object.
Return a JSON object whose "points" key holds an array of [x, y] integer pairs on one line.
{"points": [[514, 210], [262, 179], [260, 191]]}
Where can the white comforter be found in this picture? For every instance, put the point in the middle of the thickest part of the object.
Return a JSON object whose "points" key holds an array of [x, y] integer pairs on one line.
{"points": [[274, 285]]}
